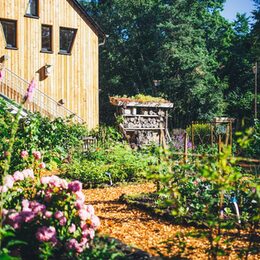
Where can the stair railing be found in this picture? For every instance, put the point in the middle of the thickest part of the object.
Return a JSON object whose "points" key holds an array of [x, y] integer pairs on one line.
{"points": [[14, 87]]}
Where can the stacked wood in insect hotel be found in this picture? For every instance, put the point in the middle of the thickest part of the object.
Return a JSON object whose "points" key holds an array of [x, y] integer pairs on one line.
{"points": [[143, 122]]}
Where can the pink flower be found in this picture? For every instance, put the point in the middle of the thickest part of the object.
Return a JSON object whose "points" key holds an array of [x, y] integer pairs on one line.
{"points": [[63, 221], [75, 186], [80, 196], [28, 173], [8, 181], [46, 234], [30, 90], [88, 232], [72, 228], [48, 195], [18, 176], [15, 220], [45, 180], [84, 215], [95, 222], [39, 209], [28, 216], [42, 165], [3, 189], [37, 155], [2, 74], [58, 215], [63, 184], [72, 243], [48, 214], [79, 204], [24, 154], [90, 209], [26, 204]]}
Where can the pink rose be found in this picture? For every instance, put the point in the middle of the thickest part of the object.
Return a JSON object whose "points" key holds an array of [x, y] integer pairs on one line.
{"points": [[26, 205], [80, 196], [48, 214], [37, 155], [28, 173], [3, 189], [8, 181], [72, 228], [72, 243], [75, 186], [90, 209], [28, 216], [24, 154], [18, 176], [88, 232], [58, 215], [95, 222], [63, 221], [45, 180], [46, 234], [84, 215]]}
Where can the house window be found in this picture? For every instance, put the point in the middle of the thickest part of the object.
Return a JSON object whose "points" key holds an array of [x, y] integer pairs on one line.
{"points": [[46, 38], [10, 29], [33, 8], [67, 37]]}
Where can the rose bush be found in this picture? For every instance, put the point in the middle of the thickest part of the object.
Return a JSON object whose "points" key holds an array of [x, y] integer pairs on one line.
{"points": [[49, 214]]}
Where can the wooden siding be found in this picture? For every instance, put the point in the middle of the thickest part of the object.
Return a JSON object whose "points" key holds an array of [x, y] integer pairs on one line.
{"points": [[74, 77]]}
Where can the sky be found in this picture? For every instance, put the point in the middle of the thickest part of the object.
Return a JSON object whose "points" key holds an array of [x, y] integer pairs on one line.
{"points": [[232, 7]]}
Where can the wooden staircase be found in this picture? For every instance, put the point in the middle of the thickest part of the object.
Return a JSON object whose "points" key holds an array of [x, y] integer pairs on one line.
{"points": [[13, 87]]}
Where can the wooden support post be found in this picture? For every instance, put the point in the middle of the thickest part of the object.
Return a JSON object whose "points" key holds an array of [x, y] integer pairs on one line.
{"points": [[230, 134], [227, 134], [211, 134], [192, 136], [185, 158], [219, 144]]}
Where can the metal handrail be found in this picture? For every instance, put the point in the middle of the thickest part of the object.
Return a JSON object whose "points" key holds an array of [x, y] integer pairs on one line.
{"points": [[39, 96]]}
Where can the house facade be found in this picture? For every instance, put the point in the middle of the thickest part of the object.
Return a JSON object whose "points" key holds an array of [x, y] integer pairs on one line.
{"points": [[55, 43]]}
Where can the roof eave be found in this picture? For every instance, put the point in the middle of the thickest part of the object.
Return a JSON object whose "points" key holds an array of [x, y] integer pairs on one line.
{"points": [[90, 19]]}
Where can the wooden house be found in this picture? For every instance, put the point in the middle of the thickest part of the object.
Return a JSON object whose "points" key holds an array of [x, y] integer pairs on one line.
{"points": [[55, 42]]}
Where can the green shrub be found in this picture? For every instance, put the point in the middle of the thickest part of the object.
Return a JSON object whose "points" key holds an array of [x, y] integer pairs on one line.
{"points": [[124, 165], [57, 139]]}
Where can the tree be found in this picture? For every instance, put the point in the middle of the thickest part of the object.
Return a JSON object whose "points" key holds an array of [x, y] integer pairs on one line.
{"points": [[187, 45]]}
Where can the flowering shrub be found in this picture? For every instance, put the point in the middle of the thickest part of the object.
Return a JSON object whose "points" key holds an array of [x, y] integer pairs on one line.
{"points": [[48, 213]]}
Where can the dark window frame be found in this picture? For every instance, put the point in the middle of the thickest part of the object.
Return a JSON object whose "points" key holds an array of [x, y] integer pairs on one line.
{"points": [[8, 46], [44, 50], [63, 52], [35, 16]]}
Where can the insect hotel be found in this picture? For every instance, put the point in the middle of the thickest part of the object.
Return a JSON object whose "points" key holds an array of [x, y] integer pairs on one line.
{"points": [[143, 122]]}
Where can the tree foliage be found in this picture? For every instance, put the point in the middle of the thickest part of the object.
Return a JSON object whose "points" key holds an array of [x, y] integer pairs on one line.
{"points": [[204, 62]]}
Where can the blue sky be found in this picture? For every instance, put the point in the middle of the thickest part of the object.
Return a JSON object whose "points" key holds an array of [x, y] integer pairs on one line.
{"points": [[237, 6]]}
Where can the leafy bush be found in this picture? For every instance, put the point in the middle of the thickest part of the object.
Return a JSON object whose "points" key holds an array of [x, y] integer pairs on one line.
{"points": [[212, 193], [201, 133], [49, 214], [249, 142], [57, 139], [119, 161]]}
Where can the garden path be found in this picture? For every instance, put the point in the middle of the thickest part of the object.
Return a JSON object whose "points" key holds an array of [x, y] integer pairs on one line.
{"points": [[135, 227]]}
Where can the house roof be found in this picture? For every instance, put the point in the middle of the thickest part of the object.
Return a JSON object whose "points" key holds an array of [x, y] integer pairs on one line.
{"points": [[89, 18]]}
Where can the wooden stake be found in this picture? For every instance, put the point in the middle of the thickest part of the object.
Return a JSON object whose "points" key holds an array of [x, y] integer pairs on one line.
{"points": [[185, 158], [219, 144], [192, 136], [211, 134]]}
